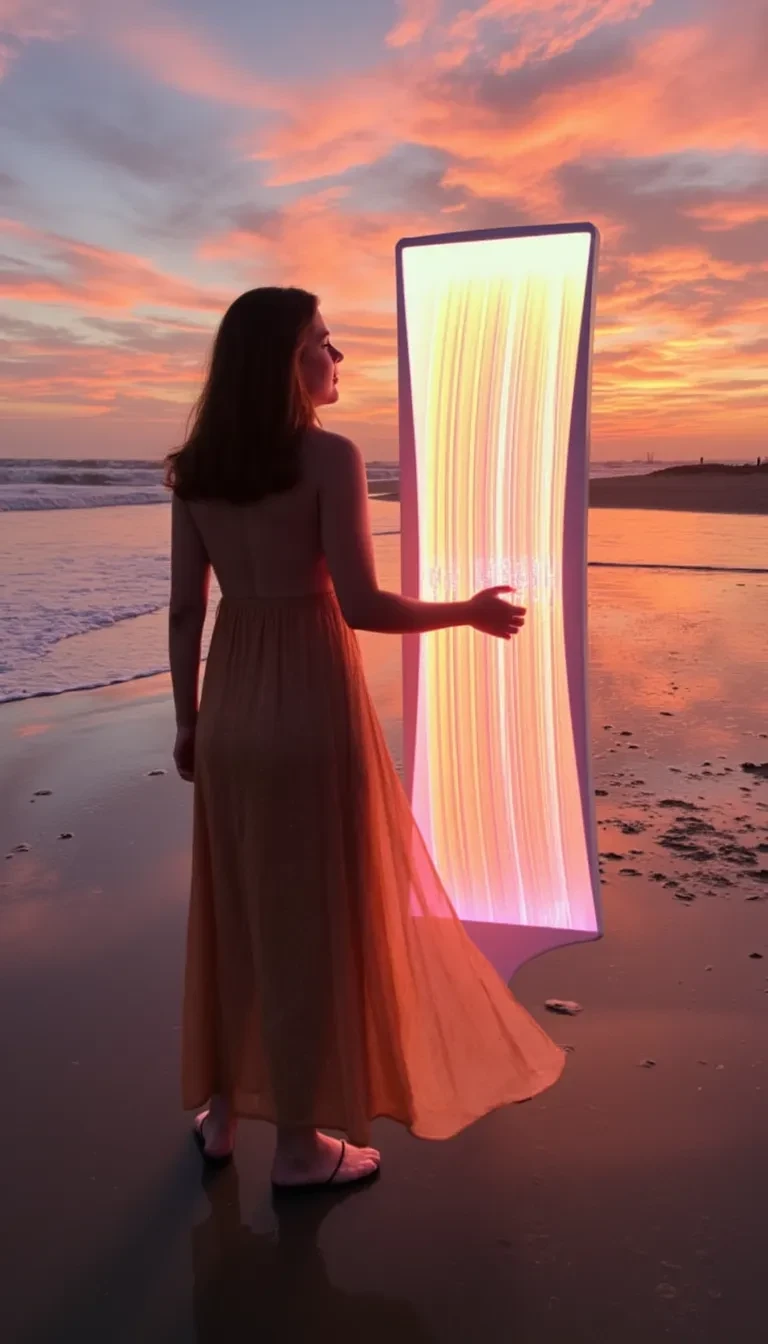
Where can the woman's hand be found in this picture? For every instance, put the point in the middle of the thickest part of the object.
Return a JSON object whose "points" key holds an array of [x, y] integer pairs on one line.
{"points": [[184, 753], [492, 615]]}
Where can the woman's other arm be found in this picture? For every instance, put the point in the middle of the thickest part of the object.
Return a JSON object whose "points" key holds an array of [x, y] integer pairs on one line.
{"points": [[190, 582]]}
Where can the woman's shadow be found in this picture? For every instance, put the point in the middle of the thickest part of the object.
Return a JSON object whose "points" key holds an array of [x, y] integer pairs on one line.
{"points": [[275, 1287]]}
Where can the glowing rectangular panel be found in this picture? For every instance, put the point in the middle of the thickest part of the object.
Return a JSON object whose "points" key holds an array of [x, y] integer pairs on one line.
{"points": [[494, 352]]}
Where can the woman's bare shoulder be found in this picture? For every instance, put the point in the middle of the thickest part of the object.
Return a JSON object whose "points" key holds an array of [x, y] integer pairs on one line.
{"points": [[327, 453]]}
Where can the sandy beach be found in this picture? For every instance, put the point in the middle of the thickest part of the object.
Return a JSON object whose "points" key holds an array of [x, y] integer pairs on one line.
{"points": [[696, 490], [625, 1205]]}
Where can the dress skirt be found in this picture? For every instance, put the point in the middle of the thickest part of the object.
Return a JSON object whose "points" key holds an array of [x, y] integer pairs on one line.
{"points": [[328, 979]]}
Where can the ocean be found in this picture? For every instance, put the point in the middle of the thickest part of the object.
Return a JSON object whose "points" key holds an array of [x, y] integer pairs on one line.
{"points": [[89, 483], [84, 566]]}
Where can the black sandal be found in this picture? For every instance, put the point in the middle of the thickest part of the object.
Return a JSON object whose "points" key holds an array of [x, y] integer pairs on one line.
{"points": [[214, 1160], [323, 1185]]}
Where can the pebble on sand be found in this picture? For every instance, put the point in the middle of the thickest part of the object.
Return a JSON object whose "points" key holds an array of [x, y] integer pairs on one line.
{"points": [[43, 793], [568, 1006], [156, 772], [66, 835]]}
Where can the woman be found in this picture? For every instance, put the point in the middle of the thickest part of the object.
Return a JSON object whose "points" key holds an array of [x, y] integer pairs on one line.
{"points": [[328, 978]]}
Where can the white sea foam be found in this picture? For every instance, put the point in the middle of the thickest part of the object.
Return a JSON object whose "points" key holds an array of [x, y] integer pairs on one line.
{"points": [[83, 600], [42, 484]]}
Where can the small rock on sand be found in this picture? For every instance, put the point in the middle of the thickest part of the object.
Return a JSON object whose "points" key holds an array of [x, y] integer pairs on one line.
{"points": [[43, 793], [155, 772], [66, 835], [568, 1006]]}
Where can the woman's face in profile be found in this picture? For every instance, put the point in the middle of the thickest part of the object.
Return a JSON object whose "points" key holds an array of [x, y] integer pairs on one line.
{"points": [[319, 364]]}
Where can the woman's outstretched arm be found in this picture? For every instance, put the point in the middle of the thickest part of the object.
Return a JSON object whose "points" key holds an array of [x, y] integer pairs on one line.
{"points": [[190, 582]]}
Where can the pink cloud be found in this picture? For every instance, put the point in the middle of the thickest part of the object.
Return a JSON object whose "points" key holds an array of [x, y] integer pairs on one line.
{"points": [[180, 57], [41, 20], [541, 29], [85, 276], [416, 16], [23, 21]]}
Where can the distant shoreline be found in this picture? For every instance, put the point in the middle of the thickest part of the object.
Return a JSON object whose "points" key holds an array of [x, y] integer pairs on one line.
{"points": [[711, 488]]}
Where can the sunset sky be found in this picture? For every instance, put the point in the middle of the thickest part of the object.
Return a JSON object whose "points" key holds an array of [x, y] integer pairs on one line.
{"points": [[161, 156]]}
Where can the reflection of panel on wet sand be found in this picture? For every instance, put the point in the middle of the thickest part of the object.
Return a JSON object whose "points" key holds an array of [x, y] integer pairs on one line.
{"points": [[495, 333]]}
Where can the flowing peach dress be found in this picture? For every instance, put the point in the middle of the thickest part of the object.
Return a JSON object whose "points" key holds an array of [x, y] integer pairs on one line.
{"points": [[328, 978]]}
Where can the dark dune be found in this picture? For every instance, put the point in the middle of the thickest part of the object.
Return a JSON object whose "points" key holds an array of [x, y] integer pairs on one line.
{"points": [[712, 488]]}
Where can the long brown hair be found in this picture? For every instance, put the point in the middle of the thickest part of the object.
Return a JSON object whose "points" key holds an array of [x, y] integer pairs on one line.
{"points": [[253, 409]]}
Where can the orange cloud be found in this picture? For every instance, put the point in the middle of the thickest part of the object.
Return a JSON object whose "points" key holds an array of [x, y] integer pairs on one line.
{"points": [[347, 258], [538, 125], [314, 242], [697, 87], [57, 376], [719, 216]]}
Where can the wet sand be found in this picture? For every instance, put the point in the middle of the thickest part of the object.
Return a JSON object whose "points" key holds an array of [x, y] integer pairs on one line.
{"points": [[624, 1206], [698, 491]]}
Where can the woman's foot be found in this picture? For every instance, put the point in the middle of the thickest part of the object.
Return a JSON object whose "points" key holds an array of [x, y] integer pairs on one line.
{"points": [[217, 1128], [313, 1160]]}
